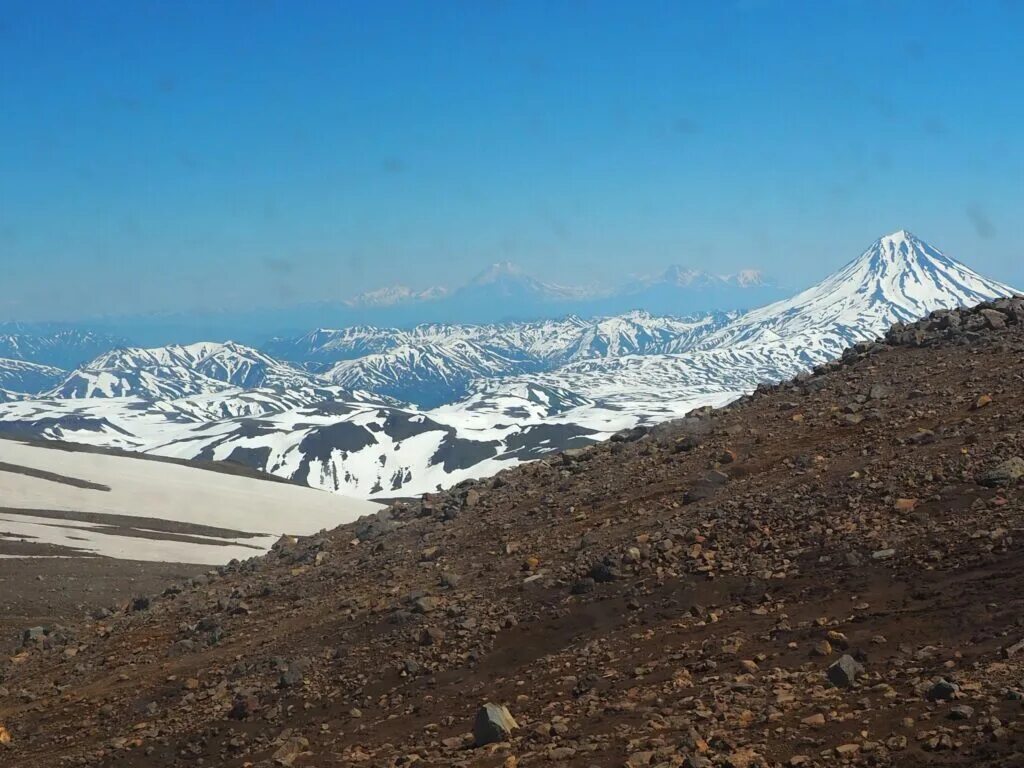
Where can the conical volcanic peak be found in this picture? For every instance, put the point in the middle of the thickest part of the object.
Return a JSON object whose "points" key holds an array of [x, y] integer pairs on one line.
{"points": [[898, 278]]}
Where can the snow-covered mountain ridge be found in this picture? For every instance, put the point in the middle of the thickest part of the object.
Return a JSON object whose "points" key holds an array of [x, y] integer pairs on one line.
{"points": [[498, 393], [176, 371], [438, 363]]}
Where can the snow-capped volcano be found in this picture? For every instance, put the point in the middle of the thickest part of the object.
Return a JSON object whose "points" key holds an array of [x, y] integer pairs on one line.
{"points": [[504, 278], [899, 278]]}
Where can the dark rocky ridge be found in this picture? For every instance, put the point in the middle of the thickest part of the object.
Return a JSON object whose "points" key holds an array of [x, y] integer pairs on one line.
{"points": [[820, 574]]}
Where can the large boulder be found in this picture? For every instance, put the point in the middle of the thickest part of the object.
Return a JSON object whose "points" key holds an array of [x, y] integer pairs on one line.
{"points": [[493, 723], [1006, 473]]}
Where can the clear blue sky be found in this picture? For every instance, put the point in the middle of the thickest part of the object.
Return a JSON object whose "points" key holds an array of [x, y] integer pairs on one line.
{"points": [[177, 155]]}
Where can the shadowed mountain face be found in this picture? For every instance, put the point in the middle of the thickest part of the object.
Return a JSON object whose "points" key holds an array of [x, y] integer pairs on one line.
{"points": [[24, 377], [53, 345]]}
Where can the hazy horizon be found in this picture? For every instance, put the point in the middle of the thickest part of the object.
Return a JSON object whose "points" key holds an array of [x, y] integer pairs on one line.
{"points": [[203, 158]]}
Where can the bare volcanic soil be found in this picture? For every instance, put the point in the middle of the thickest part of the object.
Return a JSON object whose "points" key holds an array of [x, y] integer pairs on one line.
{"points": [[830, 572]]}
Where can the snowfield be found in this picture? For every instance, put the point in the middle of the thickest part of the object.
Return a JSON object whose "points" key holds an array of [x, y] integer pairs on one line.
{"points": [[86, 503]]}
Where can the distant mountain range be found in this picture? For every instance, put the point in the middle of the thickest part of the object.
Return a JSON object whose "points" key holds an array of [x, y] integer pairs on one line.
{"points": [[502, 293], [437, 363], [178, 371], [379, 411], [56, 345]]}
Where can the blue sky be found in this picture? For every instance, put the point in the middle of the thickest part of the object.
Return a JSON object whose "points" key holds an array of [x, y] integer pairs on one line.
{"points": [[187, 155]]}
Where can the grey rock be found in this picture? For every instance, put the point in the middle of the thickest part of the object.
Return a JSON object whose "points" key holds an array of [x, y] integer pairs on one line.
{"points": [[493, 723], [33, 635], [994, 319], [879, 391], [425, 604], [843, 673]]}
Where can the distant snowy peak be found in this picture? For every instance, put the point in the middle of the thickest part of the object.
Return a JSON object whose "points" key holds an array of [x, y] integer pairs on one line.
{"points": [[179, 370], [327, 345], [685, 277], [396, 294], [507, 278], [748, 278], [898, 278], [681, 290]]}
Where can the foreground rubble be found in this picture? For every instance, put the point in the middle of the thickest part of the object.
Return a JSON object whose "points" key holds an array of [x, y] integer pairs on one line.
{"points": [[826, 573]]}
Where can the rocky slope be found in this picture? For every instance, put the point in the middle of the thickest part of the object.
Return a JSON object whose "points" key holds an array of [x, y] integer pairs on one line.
{"points": [[827, 572]]}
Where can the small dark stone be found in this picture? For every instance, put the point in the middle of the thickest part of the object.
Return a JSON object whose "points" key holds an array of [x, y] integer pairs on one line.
{"points": [[583, 586], [843, 673], [943, 690]]}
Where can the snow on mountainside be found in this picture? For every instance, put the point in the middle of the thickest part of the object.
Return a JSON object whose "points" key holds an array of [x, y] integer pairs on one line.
{"points": [[640, 333], [438, 363], [6, 396], [898, 278], [427, 373], [353, 444], [324, 346], [175, 371], [23, 376]]}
